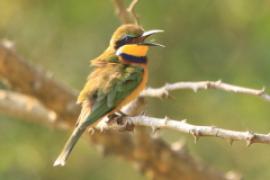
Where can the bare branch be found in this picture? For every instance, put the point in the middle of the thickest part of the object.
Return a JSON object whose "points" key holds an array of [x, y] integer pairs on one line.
{"points": [[26, 79], [131, 10], [25, 107], [134, 108], [126, 15], [204, 85], [195, 130], [132, 5]]}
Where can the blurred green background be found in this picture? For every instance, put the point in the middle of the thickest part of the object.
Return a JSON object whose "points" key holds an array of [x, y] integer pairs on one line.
{"points": [[206, 40]]}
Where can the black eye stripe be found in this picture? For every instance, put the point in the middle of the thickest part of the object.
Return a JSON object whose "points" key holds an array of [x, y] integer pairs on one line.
{"points": [[126, 39]]}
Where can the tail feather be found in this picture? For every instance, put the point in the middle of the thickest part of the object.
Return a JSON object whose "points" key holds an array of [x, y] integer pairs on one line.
{"points": [[76, 134]]}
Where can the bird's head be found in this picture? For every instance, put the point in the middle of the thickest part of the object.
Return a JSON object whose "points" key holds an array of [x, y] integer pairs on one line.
{"points": [[130, 39]]}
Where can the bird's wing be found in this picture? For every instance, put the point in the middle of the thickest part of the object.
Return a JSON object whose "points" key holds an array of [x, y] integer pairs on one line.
{"points": [[108, 56], [111, 93]]}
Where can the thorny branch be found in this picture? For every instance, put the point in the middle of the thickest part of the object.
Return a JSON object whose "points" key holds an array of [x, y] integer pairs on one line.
{"points": [[182, 126], [204, 85]]}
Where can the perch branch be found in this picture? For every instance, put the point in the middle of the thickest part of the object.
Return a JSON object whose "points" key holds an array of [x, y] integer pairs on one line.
{"points": [[203, 85], [195, 130]]}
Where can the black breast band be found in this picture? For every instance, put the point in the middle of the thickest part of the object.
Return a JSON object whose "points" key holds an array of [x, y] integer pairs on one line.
{"points": [[134, 59]]}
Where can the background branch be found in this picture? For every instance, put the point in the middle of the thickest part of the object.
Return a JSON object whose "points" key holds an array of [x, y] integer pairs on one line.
{"points": [[126, 15], [27, 79], [25, 107]]}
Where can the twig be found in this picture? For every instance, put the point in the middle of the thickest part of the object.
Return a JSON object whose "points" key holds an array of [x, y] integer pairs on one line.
{"points": [[126, 15], [203, 85], [131, 10], [132, 5]]}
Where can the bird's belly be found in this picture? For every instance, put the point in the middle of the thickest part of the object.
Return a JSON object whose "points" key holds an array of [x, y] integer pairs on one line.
{"points": [[136, 92]]}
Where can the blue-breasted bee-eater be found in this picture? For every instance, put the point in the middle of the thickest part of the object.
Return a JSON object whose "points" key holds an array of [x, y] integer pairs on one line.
{"points": [[119, 75]]}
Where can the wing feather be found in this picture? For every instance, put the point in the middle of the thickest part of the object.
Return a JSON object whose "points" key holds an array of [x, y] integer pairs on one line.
{"points": [[113, 84]]}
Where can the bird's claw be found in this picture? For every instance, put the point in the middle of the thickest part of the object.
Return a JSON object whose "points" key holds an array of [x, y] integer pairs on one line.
{"points": [[118, 119]]}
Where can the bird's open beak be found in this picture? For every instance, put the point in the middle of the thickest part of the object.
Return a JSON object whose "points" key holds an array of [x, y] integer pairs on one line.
{"points": [[146, 34], [151, 32]]}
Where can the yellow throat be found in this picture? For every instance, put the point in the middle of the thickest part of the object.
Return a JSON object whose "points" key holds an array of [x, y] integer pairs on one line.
{"points": [[133, 50]]}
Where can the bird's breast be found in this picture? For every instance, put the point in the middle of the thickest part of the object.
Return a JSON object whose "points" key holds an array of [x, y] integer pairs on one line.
{"points": [[136, 91]]}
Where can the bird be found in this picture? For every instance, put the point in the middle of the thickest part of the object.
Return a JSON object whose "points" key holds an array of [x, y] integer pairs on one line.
{"points": [[119, 74]]}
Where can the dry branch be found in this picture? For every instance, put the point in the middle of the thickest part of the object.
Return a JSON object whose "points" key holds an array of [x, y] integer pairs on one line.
{"points": [[203, 85], [126, 15], [25, 107], [195, 130], [24, 78]]}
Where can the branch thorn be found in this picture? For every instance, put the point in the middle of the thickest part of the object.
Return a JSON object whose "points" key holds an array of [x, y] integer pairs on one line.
{"points": [[231, 141], [166, 118], [195, 135], [155, 130], [261, 92], [184, 121], [250, 138]]}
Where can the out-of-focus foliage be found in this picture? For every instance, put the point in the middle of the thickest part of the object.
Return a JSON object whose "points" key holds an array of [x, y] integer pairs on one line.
{"points": [[206, 40]]}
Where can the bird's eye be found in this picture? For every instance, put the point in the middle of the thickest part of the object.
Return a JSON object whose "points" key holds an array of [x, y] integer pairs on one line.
{"points": [[126, 39]]}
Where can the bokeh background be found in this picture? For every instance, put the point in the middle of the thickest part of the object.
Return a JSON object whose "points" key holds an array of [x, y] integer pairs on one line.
{"points": [[206, 40]]}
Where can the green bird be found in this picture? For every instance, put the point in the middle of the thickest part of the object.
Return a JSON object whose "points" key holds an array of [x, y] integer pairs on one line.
{"points": [[120, 74]]}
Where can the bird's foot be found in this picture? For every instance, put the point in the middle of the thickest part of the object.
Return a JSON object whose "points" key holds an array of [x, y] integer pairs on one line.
{"points": [[111, 117], [117, 117], [118, 120]]}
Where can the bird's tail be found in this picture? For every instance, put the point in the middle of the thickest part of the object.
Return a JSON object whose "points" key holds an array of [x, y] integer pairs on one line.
{"points": [[76, 134]]}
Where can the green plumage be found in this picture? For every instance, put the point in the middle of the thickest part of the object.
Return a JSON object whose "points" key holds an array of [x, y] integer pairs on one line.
{"points": [[109, 94]]}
